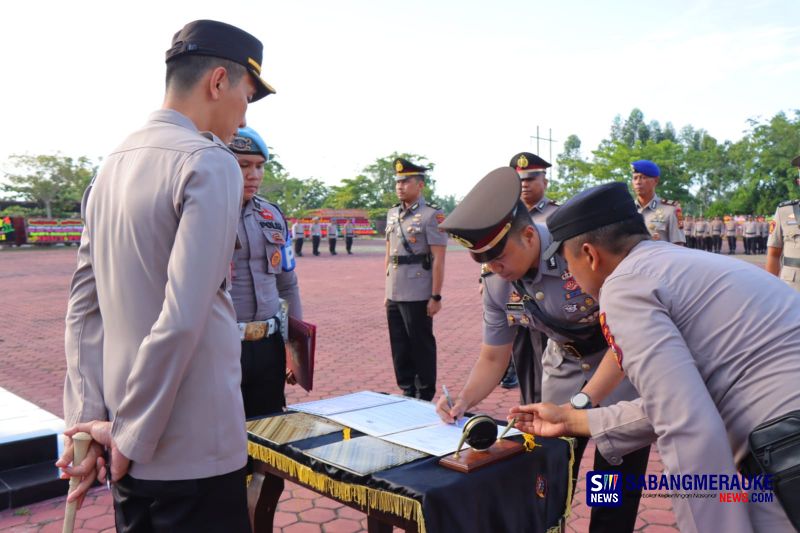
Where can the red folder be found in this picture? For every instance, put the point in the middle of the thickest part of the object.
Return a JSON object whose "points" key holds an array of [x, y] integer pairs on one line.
{"points": [[300, 351]]}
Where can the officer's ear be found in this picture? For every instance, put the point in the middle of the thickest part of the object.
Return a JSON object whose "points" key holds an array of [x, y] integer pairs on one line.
{"points": [[216, 80], [592, 255]]}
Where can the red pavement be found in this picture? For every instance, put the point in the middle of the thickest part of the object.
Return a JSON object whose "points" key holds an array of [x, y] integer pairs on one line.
{"points": [[343, 295]]}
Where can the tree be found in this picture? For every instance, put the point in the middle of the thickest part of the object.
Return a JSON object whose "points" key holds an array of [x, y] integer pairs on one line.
{"points": [[573, 172], [56, 182], [294, 196]]}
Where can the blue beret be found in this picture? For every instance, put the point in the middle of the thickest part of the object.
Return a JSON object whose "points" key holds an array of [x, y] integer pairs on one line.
{"points": [[648, 168], [247, 141]]}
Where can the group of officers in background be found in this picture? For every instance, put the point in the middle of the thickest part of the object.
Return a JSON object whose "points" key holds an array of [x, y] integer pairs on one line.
{"points": [[333, 230], [703, 234]]}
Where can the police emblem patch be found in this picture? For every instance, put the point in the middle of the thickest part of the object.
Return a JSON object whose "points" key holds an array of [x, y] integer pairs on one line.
{"points": [[571, 285], [266, 214], [514, 297], [522, 162], [570, 308], [541, 486], [275, 260], [440, 217], [398, 167], [278, 237], [610, 339], [771, 226]]}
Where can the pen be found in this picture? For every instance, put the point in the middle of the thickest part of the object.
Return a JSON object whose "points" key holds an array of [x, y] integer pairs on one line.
{"points": [[447, 396], [107, 454]]}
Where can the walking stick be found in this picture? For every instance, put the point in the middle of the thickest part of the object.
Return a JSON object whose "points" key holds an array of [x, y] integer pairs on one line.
{"points": [[80, 445]]}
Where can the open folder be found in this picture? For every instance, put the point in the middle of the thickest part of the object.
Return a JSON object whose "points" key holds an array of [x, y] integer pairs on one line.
{"points": [[300, 351]]}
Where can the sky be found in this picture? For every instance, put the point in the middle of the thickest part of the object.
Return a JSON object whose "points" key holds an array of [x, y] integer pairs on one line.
{"points": [[464, 83]]}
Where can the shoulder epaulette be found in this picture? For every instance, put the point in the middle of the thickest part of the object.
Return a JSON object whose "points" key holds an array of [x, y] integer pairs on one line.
{"points": [[396, 205], [670, 202], [434, 206], [263, 200], [553, 202], [789, 202]]}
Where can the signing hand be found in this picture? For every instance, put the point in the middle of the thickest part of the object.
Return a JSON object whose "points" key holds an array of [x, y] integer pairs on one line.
{"points": [[448, 414]]}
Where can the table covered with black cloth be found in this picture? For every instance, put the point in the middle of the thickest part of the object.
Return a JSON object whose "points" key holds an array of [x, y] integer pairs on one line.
{"points": [[527, 493]]}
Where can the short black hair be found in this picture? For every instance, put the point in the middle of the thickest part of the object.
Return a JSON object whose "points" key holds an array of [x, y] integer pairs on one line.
{"points": [[183, 72], [522, 219], [617, 238]]}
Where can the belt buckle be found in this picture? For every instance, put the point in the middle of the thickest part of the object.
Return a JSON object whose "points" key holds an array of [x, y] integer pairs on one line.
{"points": [[255, 331], [571, 349], [395, 260]]}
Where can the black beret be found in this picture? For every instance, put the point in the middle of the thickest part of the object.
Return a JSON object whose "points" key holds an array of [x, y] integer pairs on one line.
{"points": [[482, 220], [589, 210], [526, 163], [404, 168], [217, 39]]}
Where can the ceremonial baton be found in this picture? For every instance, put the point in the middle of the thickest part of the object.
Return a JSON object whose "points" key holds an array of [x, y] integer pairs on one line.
{"points": [[80, 445]]}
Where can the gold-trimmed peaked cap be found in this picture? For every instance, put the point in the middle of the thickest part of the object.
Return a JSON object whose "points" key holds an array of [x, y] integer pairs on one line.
{"points": [[528, 165], [217, 39], [403, 168], [482, 220]]}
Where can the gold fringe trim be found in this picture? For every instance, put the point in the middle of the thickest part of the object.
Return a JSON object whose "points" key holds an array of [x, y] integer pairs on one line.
{"points": [[346, 434], [379, 500], [570, 488], [530, 442]]}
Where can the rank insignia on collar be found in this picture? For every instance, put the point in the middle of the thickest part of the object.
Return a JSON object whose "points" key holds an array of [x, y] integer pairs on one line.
{"points": [[541, 486], [266, 214], [522, 162]]}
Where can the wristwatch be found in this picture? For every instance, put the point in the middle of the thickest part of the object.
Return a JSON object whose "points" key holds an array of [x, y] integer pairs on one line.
{"points": [[581, 400], [436, 297]]}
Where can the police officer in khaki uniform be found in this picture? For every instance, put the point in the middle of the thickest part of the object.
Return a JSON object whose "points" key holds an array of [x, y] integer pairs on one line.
{"points": [[299, 233], [730, 233], [333, 234], [663, 217], [414, 265], [750, 235], [705, 386], [526, 358], [316, 235], [688, 231], [262, 275], [349, 231], [702, 234], [717, 227], [763, 234], [529, 293], [783, 246]]}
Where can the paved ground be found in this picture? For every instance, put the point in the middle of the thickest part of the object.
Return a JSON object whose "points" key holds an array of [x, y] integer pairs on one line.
{"points": [[343, 295]]}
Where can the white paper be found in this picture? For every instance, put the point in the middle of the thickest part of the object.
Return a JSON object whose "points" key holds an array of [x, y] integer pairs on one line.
{"points": [[440, 439], [343, 404], [382, 420]]}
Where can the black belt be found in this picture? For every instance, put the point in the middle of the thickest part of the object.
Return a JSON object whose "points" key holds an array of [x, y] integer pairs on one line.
{"points": [[791, 262], [582, 348], [407, 259]]}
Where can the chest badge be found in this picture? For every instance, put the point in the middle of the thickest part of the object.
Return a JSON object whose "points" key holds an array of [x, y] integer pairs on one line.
{"points": [[275, 260], [514, 297], [266, 214]]}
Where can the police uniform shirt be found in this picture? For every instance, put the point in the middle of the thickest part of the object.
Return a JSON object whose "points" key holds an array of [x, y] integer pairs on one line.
{"points": [[333, 230], [316, 229], [542, 209], [705, 385], [688, 227], [751, 228], [763, 228], [560, 297], [700, 228], [661, 218], [420, 224], [298, 229], [785, 234], [349, 230], [258, 277], [730, 228], [716, 227]]}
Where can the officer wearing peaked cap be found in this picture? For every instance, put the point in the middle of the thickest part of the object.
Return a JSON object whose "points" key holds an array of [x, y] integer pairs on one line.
{"points": [[532, 171], [705, 387], [414, 265], [529, 292], [783, 244], [662, 217], [152, 347]]}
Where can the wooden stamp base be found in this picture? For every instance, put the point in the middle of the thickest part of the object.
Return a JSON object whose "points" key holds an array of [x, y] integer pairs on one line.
{"points": [[470, 460]]}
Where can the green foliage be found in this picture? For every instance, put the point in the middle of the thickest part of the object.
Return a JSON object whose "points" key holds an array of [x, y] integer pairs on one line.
{"points": [[751, 175], [56, 182]]}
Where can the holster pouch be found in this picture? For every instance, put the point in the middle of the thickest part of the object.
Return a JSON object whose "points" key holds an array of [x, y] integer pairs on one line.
{"points": [[775, 446], [427, 261]]}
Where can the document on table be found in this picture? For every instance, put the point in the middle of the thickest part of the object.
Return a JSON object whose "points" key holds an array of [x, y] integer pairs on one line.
{"points": [[342, 404], [440, 439], [402, 415], [364, 455]]}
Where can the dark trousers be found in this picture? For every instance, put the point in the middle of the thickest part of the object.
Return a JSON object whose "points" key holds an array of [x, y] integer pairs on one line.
{"points": [[708, 244], [620, 519], [315, 244], [731, 244], [413, 348], [527, 359], [332, 246], [717, 243], [748, 245], [689, 241], [348, 244], [263, 376], [214, 504], [298, 246]]}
